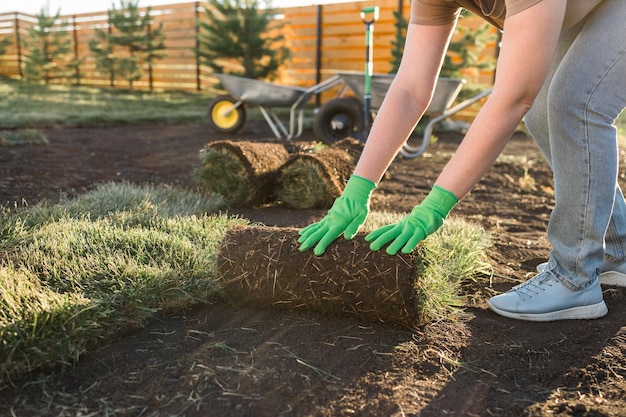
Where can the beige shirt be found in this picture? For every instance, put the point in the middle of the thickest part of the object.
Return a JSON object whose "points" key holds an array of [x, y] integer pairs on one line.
{"points": [[440, 12]]}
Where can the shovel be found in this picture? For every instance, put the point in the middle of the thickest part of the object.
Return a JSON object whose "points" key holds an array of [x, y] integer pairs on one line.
{"points": [[369, 15]]}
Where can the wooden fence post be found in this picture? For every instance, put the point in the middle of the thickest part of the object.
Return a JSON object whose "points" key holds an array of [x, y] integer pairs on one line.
{"points": [[400, 13], [18, 43], [109, 33], [197, 44], [318, 51], [150, 76], [75, 32]]}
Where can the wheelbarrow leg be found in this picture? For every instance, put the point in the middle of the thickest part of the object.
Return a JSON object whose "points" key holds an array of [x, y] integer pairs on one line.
{"points": [[293, 115], [273, 122]]}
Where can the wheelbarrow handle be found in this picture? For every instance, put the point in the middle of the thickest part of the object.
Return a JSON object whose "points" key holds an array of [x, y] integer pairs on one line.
{"points": [[369, 15]]}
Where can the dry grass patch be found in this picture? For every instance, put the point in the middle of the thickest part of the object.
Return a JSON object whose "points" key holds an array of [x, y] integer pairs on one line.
{"points": [[262, 267], [244, 173], [316, 179]]}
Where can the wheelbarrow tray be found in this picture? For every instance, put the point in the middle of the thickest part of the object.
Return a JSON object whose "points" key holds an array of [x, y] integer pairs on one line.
{"points": [[260, 93], [380, 85], [446, 90]]}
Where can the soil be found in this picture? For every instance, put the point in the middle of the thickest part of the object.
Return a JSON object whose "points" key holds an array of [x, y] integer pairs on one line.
{"points": [[224, 361]]}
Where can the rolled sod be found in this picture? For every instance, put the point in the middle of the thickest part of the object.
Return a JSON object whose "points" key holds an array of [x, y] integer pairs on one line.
{"points": [[244, 173], [262, 267], [315, 179]]}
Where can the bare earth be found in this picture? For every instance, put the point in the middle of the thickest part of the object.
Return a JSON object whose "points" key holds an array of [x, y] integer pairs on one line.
{"points": [[224, 361]]}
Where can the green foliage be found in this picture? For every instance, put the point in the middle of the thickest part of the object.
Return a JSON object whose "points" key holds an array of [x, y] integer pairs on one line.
{"points": [[222, 172], [4, 44], [237, 32], [130, 45], [454, 256], [397, 43], [47, 48], [22, 137], [73, 275], [465, 48]]}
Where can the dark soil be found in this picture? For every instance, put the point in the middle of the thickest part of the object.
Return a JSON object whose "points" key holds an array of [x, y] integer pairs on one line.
{"points": [[225, 361]]}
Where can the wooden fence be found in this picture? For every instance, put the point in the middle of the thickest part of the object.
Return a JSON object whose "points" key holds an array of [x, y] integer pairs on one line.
{"points": [[323, 39]]}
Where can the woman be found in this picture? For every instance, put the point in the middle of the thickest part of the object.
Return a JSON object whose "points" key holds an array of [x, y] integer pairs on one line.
{"points": [[561, 65]]}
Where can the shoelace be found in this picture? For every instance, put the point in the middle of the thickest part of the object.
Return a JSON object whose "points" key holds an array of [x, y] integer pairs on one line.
{"points": [[534, 286]]}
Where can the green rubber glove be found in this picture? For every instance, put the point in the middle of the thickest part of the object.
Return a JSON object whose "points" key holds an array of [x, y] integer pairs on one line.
{"points": [[413, 228], [345, 216]]}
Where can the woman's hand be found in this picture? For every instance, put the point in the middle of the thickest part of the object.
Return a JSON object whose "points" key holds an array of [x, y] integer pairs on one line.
{"points": [[413, 228], [346, 216]]}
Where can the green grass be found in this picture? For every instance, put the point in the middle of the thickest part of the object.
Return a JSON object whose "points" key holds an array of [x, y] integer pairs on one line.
{"points": [[454, 256], [74, 275], [22, 137], [27, 105], [77, 273]]}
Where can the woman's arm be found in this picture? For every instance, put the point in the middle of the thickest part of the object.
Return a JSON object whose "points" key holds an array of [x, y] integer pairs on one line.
{"points": [[529, 41], [407, 98], [528, 44]]}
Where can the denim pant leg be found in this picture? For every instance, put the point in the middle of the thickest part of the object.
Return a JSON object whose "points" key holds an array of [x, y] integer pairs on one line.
{"points": [[572, 121]]}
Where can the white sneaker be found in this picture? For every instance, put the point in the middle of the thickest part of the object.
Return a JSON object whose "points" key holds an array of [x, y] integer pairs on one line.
{"points": [[609, 275], [615, 278], [544, 298]]}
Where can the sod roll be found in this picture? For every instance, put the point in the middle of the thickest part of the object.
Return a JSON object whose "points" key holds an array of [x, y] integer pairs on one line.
{"points": [[262, 267], [316, 179], [244, 173]]}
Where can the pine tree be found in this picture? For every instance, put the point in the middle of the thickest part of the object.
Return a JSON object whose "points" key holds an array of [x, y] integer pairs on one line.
{"points": [[130, 45], [47, 47], [398, 42], [4, 44], [240, 32], [463, 48]]}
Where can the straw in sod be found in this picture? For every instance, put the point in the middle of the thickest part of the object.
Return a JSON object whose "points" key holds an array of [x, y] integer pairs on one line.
{"points": [[316, 179], [244, 173], [262, 267]]}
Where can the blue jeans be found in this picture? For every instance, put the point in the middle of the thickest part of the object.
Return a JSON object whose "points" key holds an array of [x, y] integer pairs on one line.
{"points": [[573, 122]]}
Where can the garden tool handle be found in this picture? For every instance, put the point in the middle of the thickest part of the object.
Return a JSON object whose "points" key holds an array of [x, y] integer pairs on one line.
{"points": [[369, 15], [371, 12]]}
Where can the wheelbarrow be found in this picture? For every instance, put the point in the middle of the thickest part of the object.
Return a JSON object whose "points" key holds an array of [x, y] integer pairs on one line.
{"points": [[227, 113], [343, 116]]}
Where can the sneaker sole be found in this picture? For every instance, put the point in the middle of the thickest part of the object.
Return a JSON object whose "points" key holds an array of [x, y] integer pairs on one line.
{"points": [[591, 312], [613, 278]]}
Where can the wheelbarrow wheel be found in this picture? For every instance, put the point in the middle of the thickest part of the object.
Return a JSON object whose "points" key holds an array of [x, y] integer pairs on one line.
{"points": [[338, 119], [224, 117]]}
